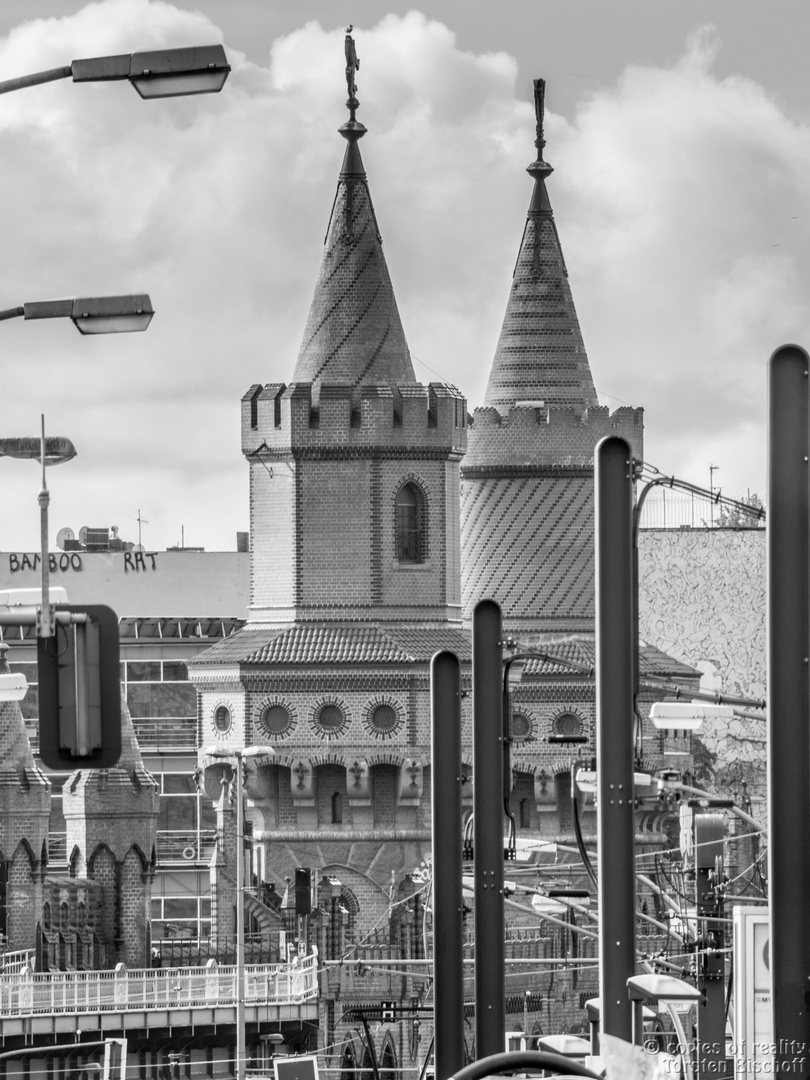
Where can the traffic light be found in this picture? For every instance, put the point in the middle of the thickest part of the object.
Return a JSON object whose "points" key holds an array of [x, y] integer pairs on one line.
{"points": [[80, 690], [115, 1059], [303, 891]]}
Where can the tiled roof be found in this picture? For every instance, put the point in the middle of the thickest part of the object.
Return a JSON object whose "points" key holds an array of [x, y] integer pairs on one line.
{"points": [[303, 644], [540, 355], [353, 333], [529, 546], [581, 651]]}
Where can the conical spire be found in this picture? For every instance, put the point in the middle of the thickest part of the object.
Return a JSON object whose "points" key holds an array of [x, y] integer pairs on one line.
{"points": [[540, 354], [353, 334]]}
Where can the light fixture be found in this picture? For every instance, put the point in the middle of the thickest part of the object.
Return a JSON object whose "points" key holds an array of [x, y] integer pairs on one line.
{"points": [[58, 449], [112, 314], [13, 686], [686, 715], [94, 314], [201, 69], [179, 72]]}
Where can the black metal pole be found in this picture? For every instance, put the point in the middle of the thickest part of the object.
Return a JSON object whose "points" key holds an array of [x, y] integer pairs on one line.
{"points": [[789, 706], [487, 670], [614, 733], [709, 830], [448, 904]]}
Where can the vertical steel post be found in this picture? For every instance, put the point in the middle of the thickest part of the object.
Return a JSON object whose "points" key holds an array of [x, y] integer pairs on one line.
{"points": [[448, 904], [709, 830], [487, 671], [614, 733], [240, 1069], [789, 706]]}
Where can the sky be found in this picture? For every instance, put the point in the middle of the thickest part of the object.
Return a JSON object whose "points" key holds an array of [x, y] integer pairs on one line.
{"points": [[680, 138]]}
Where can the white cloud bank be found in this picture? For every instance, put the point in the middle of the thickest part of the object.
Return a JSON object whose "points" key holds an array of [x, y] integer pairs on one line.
{"points": [[679, 198]]}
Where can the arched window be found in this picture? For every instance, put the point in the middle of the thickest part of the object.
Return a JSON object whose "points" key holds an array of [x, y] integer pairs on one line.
{"points": [[410, 524]]}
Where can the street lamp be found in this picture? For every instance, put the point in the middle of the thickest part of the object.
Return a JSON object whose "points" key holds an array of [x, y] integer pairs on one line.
{"points": [[201, 69], [226, 753], [91, 314]]}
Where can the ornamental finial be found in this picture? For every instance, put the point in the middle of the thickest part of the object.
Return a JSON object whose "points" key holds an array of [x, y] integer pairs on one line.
{"points": [[352, 65], [539, 168], [539, 107]]}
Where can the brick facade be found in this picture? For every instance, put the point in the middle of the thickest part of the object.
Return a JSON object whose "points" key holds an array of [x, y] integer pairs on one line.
{"points": [[111, 817]]}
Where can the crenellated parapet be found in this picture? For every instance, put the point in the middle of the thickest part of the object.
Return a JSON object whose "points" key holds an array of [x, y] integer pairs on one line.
{"points": [[280, 420], [533, 435]]}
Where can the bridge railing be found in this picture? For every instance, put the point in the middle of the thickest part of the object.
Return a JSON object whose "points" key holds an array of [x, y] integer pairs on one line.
{"points": [[29, 992]]}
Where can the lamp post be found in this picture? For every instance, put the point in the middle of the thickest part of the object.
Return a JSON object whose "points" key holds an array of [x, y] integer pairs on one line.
{"points": [[240, 753], [158, 73], [91, 315]]}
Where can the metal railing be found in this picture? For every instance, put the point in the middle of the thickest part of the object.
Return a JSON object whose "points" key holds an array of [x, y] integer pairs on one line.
{"points": [[28, 993], [12, 963]]}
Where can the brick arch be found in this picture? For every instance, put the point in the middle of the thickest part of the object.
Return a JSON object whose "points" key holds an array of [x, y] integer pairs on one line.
{"points": [[348, 1060], [329, 757], [145, 863], [24, 850], [134, 901], [23, 897], [99, 851], [388, 1058], [382, 757]]}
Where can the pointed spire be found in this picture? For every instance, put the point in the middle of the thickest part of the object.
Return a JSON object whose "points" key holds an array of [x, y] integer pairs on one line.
{"points": [[540, 355], [353, 334]]}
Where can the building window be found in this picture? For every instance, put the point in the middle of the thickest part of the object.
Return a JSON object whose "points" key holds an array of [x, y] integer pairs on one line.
{"points": [[337, 808], [383, 717], [409, 524], [520, 728], [568, 724], [329, 718], [275, 719], [222, 718]]}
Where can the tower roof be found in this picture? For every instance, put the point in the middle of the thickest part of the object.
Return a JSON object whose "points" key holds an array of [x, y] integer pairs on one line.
{"points": [[540, 355], [353, 334]]}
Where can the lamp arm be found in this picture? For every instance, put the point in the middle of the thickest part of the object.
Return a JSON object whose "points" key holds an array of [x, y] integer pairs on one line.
{"points": [[22, 81], [12, 313]]}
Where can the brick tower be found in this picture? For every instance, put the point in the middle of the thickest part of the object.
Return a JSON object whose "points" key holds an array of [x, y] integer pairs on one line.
{"points": [[25, 803], [111, 818], [355, 552], [527, 478]]}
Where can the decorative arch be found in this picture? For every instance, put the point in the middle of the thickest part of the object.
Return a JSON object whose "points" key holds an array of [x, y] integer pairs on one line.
{"points": [[410, 520], [388, 1058], [101, 850], [22, 851], [348, 1061], [140, 856]]}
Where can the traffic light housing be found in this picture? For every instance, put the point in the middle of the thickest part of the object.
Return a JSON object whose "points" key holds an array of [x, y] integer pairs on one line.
{"points": [[115, 1059], [303, 891], [80, 690]]}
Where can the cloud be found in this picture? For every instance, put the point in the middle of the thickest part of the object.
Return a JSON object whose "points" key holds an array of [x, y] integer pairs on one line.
{"points": [[686, 225], [671, 189]]}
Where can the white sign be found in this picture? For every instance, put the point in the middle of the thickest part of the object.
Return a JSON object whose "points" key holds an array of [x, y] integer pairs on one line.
{"points": [[753, 1049]]}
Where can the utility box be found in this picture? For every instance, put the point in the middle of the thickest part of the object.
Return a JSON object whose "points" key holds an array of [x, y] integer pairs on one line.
{"points": [[80, 690]]}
